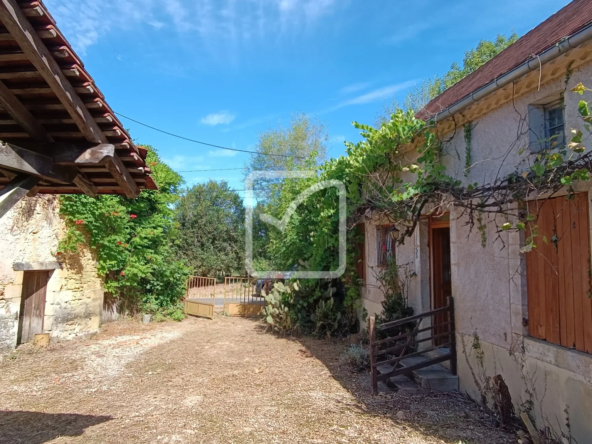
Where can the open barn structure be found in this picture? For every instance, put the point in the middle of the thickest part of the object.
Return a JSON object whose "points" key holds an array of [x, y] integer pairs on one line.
{"points": [[58, 134]]}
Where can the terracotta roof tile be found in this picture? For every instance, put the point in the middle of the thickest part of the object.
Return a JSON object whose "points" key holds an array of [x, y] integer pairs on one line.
{"points": [[564, 23]]}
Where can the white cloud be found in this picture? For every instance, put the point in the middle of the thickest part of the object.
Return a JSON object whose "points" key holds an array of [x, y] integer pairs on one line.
{"points": [[221, 118], [223, 153], [355, 87], [337, 139], [373, 96], [407, 32], [180, 162], [215, 22], [378, 94]]}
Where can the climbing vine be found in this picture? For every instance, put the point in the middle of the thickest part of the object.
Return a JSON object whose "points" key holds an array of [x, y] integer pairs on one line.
{"points": [[468, 128], [132, 241]]}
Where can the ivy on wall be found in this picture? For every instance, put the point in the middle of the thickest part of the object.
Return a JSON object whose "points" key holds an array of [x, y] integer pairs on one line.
{"points": [[132, 239], [468, 130]]}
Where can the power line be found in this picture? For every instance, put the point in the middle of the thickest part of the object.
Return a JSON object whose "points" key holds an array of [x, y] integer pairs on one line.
{"points": [[204, 143], [221, 169]]}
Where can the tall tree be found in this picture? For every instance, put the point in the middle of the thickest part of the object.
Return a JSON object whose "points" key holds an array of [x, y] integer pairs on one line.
{"points": [[211, 229], [433, 87], [300, 146]]}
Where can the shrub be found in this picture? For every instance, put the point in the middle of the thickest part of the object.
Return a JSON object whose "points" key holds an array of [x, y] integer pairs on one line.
{"points": [[326, 318], [277, 314], [357, 357], [394, 304]]}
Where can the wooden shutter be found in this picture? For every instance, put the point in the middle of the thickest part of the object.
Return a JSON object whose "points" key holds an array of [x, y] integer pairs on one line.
{"points": [[558, 273], [361, 257]]}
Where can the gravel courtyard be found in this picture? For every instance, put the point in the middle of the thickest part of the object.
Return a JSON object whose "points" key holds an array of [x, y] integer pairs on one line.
{"points": [[220, 381]]}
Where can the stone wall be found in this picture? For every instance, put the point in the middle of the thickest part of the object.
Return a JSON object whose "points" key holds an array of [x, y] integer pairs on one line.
{"points": [[29, 234]]}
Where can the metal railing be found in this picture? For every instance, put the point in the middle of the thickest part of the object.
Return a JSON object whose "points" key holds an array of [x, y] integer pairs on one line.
{"points": [[403, 345], [202, 288], [240, 290]]}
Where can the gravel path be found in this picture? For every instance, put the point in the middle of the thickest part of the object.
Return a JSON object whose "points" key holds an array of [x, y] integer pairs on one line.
{"points": [[220, 381]]}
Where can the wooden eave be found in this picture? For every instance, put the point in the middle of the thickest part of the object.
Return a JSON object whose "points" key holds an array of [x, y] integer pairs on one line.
{"points": [[59, 114]]}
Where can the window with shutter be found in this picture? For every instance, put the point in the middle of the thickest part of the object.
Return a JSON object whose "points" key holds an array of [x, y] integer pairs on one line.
{"points": [[558, 273]]}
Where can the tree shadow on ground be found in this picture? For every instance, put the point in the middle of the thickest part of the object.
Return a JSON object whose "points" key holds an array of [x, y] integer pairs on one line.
{"points": [[450, 417], [36, 427]]}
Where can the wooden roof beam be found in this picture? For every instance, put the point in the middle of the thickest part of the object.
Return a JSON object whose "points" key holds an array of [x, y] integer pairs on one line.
{"points": [[71, 154], [39, 55], [15, 190], [22, 115], [28, 162]]}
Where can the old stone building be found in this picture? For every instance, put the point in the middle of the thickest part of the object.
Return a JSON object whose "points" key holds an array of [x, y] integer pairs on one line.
{"points": [[41, 290], [522, 315]]}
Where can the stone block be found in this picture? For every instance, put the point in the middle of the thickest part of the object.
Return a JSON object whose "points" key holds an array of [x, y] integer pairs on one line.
{"points": [[13, 292], [18, 277], [47, 323], [439, 380]]}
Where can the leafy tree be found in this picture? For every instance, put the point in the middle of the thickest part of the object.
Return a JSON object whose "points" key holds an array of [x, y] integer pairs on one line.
{"points": [[211, 229], [300, 146], [433, 87], [132, 239]]}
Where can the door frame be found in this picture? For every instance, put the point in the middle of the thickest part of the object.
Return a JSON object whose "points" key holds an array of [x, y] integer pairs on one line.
{"points": [[433, 224]]}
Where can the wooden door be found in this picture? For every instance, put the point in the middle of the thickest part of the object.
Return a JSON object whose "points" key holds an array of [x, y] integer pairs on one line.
{"points": [[441, 278], [32, 305]]}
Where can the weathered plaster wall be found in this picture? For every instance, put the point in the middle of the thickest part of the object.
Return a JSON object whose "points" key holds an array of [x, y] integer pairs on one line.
{"points": [[29, 233], [412, 258], [489, 283]]}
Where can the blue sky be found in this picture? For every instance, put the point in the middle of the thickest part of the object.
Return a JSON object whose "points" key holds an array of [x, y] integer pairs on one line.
{"points": [[222, 71]]}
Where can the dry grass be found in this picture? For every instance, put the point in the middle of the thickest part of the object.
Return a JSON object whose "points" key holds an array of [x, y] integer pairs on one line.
{"points": [[220, 381]]}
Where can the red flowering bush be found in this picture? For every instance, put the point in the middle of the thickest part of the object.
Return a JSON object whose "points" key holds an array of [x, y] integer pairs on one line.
{"points": [[146, 270]]}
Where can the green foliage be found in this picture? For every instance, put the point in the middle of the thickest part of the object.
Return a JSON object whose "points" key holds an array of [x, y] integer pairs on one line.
{"points": [[433, 87], [394, 304], [326, 318], [132, 240], [468, 129], [357, 357], [474, 59], [210, 219], [277, 315], [300, 146]]}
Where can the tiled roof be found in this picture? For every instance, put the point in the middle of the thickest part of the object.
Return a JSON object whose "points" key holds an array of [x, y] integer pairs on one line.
{"points": [[21, 73], [564, 23]]}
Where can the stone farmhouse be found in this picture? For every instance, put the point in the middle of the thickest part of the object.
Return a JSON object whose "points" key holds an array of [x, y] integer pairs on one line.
{"points": [[524, 316]]}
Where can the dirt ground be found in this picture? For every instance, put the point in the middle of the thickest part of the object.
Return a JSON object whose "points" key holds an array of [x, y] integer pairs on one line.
{"points": [[220, 381]]}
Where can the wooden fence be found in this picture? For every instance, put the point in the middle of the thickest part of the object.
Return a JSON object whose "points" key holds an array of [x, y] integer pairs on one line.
{"points": [[404, 345]]}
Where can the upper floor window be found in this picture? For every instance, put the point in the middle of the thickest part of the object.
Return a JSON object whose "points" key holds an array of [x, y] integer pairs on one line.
{"points": [[555, 124], [546, 123]]}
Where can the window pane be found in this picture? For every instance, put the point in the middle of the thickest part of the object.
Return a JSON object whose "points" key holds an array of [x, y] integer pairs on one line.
{"points": [[555, 117]]}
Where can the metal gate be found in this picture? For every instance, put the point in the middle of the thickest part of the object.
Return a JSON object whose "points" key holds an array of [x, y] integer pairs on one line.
{"points": [[240, 297], [200, 296]]}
